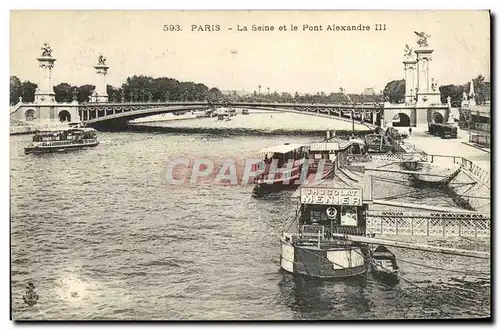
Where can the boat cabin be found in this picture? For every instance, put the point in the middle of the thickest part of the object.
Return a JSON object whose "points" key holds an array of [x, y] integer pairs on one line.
{"points": [[334, 206], [283, 153], [76, 134], [280, 156], [333, 153]]}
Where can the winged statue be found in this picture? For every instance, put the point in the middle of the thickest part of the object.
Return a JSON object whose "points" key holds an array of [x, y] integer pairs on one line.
{"points": [[46, 50], [101, 60], [422, 38], [408, 51]]}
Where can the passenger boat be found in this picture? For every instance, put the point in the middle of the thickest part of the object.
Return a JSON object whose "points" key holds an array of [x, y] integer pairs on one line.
{"points": [[299, 163], [384, 266], [223, 114], [313, 245], [62, 139], [281, 167]]}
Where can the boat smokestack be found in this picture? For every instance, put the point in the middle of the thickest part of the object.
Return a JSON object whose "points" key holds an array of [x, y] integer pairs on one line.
{"points": [[328, 135]]}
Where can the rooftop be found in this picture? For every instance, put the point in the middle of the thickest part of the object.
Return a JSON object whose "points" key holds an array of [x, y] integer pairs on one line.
{"points": [[281, 149]]}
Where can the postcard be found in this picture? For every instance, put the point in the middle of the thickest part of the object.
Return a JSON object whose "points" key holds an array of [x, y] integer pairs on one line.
{"points": [[250, 165]]}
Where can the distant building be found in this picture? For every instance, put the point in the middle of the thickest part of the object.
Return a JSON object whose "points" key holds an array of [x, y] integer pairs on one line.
{"points": [[369, 91]]}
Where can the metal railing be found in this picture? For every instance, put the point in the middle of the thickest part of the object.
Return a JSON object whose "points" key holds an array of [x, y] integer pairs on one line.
{"points": [[313, 231], [429, 224], [349, 230], [476, 171]]}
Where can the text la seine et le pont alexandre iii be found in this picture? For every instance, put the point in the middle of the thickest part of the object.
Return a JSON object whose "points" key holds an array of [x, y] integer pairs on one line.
{"points": [[272, 28]]}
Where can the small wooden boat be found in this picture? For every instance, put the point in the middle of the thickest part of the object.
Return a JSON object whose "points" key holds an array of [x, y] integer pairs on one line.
{"points": [[384, 266]]}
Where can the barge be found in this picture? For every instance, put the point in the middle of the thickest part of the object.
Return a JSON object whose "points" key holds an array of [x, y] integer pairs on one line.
{"points": [[313, 244]]}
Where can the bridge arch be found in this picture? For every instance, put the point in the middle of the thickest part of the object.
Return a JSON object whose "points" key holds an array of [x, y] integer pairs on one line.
{"points": [[437, 118], [30, 115], [401, 120], [64, 115], [122, 113]]}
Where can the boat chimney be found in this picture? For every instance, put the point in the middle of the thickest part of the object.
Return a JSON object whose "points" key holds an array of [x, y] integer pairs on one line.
{"points": [[328, 135]]}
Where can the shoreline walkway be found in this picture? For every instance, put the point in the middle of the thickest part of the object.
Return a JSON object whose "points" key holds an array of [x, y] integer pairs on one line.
{"points": [[434, 145]]}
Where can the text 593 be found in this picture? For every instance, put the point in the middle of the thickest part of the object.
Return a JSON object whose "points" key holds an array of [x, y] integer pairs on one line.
{"points": [[172, 27]]}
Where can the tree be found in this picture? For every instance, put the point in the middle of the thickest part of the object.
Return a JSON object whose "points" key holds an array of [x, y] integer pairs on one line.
{"points": [[16, 89], [64, 92], [84, 93], [455, 93], [482, 90], [394, 91], [29, 90], [214, 94], [114, 94]]}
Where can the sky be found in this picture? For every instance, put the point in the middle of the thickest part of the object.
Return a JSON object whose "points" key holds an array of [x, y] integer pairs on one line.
{"points": [[135, 42]]}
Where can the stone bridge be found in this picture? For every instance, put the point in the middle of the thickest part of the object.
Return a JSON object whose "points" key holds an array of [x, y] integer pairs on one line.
{"points": [[118, 114]]}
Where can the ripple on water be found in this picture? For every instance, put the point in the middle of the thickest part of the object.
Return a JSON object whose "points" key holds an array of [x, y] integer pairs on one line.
{"points": [[103, 236]]}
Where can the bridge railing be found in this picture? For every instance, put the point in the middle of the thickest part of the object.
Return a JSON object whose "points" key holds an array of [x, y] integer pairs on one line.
{"points": [[428, 224]]}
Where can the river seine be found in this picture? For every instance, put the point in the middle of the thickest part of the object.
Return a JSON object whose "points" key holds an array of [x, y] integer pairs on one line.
{"points": [[102, 235]]}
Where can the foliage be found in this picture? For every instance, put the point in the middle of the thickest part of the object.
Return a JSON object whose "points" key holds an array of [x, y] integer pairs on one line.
{"points": [[145, 88], [394, 91], [64, 92], [84, 92], [482, 90], [25, 89], [454, 92]]}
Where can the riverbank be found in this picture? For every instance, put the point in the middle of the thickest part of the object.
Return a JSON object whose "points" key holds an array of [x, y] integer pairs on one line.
{"points": [[257, 123], [226, 131], [20, 130], [469, 188], [459, 147]]}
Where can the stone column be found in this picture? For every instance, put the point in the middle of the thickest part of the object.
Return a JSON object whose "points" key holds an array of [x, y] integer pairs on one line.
{"points": [[101, 70], [45, 92], [427, 92], [410, 77]]}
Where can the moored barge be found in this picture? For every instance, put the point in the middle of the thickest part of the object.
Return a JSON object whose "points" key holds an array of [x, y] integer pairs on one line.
{"points": [[313, 244]]}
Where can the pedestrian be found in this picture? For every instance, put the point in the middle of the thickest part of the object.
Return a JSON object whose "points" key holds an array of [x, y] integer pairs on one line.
{"points": [[409, 130]]}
